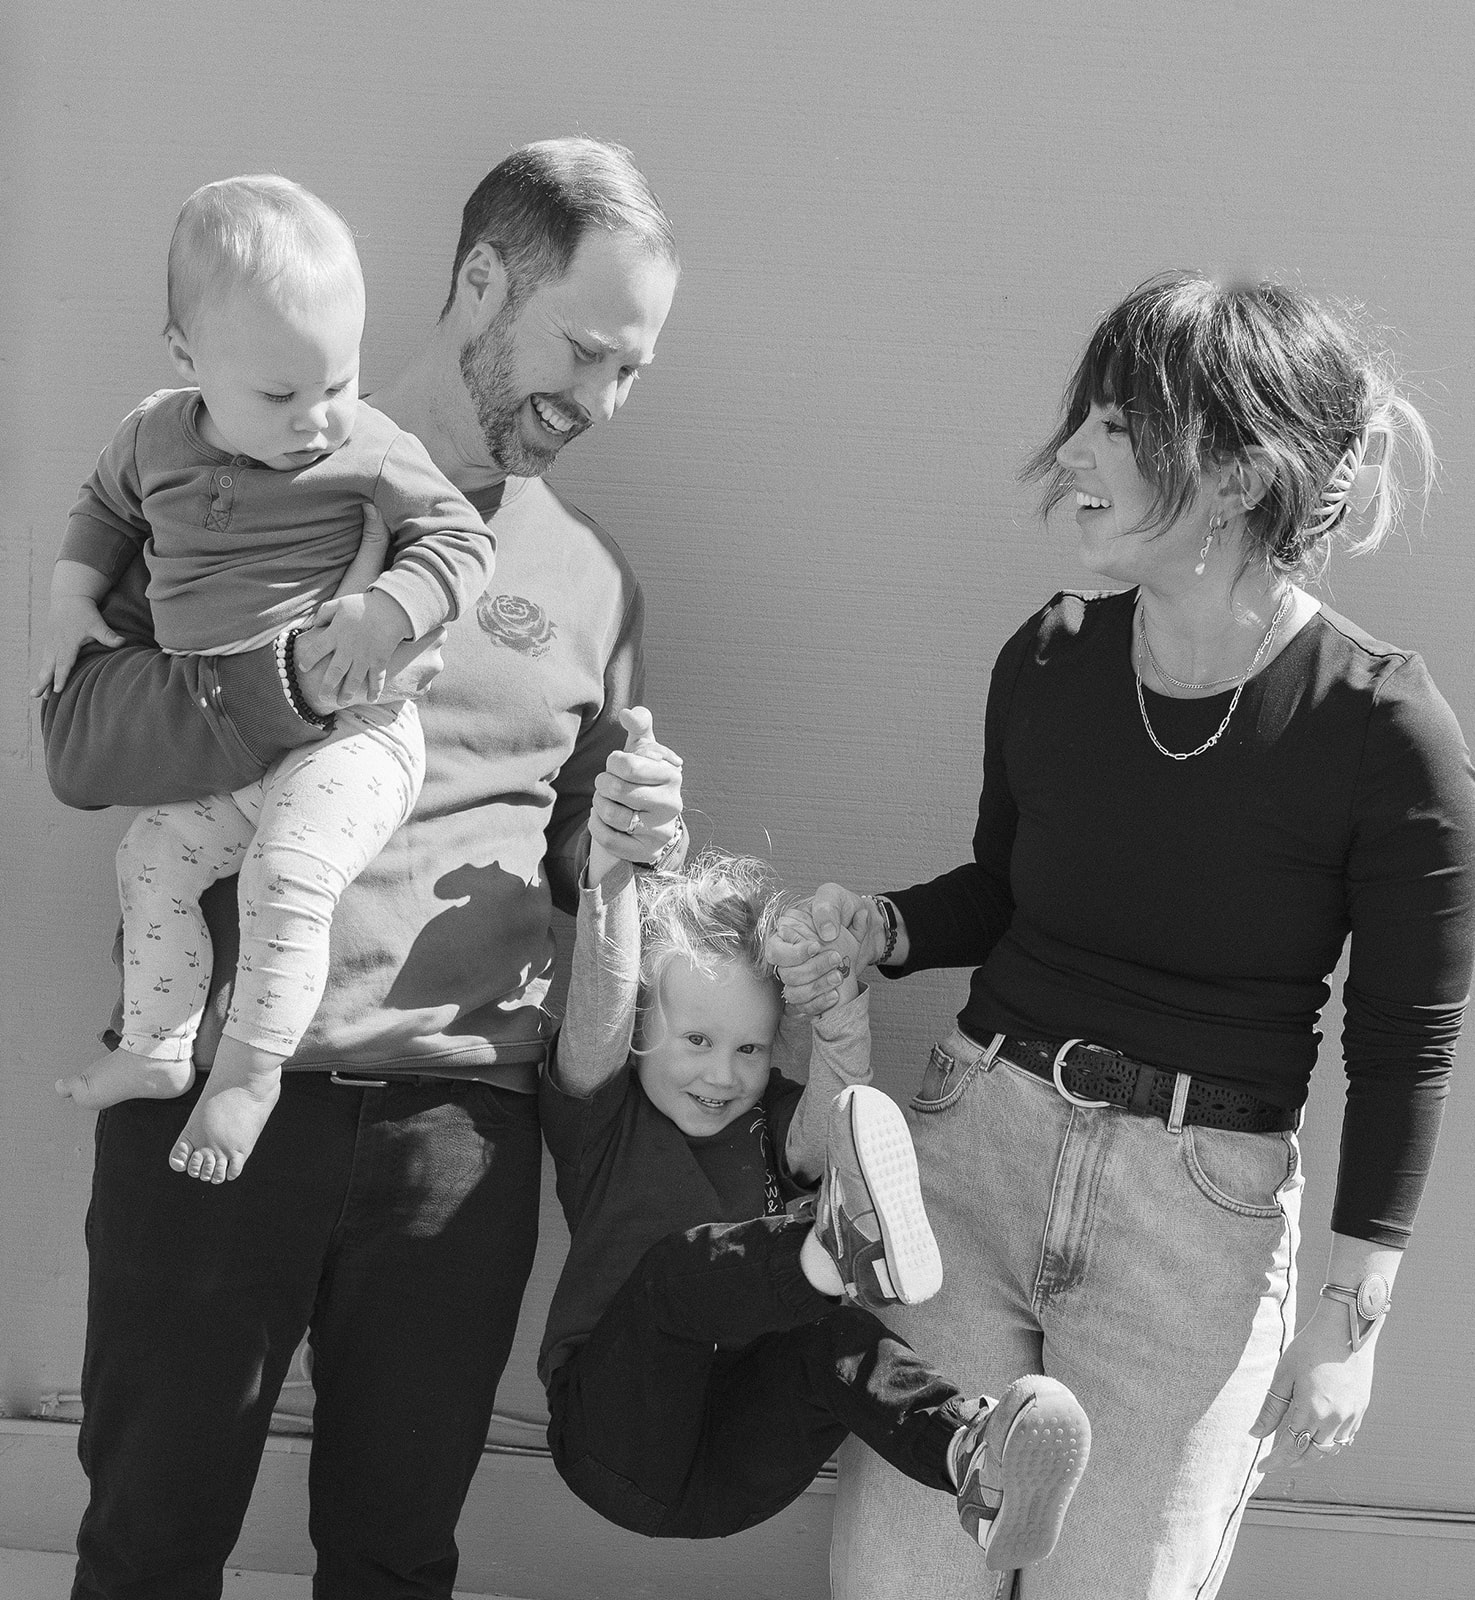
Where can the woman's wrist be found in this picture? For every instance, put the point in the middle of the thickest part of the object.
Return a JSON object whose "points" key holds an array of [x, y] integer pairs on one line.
{"points": [[891, 942]]}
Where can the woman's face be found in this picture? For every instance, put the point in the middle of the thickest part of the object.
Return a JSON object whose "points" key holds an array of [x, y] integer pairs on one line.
{"points": [[1114, 503]]}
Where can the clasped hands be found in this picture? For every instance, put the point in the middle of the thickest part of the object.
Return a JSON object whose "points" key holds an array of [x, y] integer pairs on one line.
{"points": [[810, 943]]}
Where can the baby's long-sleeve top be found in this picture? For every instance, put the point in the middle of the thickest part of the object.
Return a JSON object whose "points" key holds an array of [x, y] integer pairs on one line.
{"points": [[237, 551]]}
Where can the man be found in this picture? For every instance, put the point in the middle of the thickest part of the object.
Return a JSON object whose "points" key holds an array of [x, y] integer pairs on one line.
{"points": [[391, 1205]]}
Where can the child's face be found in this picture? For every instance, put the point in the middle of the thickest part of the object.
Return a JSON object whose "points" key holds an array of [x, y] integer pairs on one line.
{"points": [[279, 382], [707, 1060]]}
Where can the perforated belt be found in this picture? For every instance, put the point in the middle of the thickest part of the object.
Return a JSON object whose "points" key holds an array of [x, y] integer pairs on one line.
{"points": [[1092, 1073]]}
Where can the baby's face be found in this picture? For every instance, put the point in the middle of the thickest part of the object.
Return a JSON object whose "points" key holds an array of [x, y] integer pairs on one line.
{"points": [[706, 1061], [279, 382]]}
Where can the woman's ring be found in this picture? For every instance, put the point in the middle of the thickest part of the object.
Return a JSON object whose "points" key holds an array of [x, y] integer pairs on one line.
{"points": [[844, 968], [634, 822], [1302, 1439], [1326, 1449], [1284, 1399]]}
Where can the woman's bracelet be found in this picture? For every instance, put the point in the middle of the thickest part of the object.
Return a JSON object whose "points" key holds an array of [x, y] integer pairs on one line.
{"points": [[888, 916], [287, 673]]}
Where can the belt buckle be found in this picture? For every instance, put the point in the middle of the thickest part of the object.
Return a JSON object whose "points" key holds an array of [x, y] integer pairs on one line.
{"points": [[349, 1082], [1059, 1081]]}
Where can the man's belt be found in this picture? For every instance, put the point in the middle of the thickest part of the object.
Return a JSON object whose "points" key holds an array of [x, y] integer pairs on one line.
{"points": [[1092, 1072]]}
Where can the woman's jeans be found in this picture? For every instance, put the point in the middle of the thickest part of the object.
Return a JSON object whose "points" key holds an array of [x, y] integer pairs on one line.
{"points": [[718, 1382], [1152, 1272]]}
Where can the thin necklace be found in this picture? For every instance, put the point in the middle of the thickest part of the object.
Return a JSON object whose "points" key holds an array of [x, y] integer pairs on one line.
{"points": [[1157, 666], [1218, 733]]}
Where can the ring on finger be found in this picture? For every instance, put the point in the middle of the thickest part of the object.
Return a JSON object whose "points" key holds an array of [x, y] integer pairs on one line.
{"points": [[1327, 1449], [1302, 1439], [634, 822]]}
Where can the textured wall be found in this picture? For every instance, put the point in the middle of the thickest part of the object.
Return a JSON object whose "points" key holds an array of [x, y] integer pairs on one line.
{"points": [[897, 227]]}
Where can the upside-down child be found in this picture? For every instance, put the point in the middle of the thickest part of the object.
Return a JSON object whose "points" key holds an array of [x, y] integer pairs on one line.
{"points": [[708, 1350], [264, 497]]}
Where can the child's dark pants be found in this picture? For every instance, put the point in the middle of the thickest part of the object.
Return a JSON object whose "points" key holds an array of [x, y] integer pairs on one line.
{"points": [[718, 1383]]}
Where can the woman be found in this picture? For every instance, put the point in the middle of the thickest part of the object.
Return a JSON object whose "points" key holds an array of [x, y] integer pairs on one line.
{"points": [[1193, 791]]}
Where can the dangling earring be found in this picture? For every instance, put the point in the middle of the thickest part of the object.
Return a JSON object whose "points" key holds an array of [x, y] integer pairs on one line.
{"points": [[1216, 522]]}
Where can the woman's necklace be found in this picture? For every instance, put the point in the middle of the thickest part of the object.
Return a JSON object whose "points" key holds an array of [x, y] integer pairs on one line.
{"points": [[1218, 733], [1168, 677]]}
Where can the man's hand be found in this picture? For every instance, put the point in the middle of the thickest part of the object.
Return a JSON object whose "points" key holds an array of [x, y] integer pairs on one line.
{"points": [[411, 668], [637, 798]]}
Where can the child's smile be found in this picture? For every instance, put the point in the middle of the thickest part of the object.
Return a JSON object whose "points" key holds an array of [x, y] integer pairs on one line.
{"points": [[706, 1051]]}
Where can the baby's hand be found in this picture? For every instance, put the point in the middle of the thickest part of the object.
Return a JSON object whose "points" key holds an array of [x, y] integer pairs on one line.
{"points": [[360, 632], [73, 620]]}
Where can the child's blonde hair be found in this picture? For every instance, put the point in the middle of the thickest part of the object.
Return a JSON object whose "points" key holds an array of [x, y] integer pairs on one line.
{"points": [[717, 909], [260, 232]]}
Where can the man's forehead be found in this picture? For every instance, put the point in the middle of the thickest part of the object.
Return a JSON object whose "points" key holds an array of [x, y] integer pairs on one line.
{"points": [[615, 295]]}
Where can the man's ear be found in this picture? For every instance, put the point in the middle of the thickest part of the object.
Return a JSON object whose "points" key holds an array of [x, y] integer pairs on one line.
{"points": [[481, 284], [1251, 477], [178, 349]]}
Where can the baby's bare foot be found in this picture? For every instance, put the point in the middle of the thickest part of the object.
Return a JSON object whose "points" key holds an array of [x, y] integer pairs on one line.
{"points": [[125, 1076], [222, 1130]]}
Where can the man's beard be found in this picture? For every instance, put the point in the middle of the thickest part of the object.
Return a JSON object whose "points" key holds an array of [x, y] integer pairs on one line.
{"points": [[486, 367]]}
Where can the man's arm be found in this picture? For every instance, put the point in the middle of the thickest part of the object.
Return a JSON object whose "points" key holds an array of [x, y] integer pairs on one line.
{"points": [[568, 828], [134, 726]]}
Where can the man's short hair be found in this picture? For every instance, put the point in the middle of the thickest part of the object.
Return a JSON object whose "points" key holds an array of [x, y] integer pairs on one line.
{"points": [[260, 232], [535, 207]]}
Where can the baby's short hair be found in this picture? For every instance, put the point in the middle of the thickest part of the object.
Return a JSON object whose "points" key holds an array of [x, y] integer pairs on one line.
{"points": [[718, 908], [262, 232]]}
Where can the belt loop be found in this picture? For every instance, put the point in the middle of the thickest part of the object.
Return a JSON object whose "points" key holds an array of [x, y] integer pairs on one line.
{"points": [[1065, 1094], [1180, 1101], [986, 1061]]}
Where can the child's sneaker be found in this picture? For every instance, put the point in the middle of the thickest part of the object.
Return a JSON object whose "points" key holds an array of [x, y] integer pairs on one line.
{"points": [[1018, 1464], [870, 1217]]}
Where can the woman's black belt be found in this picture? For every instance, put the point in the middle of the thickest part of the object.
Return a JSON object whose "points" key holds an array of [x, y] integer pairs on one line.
{"points": [[1092, 1072]]}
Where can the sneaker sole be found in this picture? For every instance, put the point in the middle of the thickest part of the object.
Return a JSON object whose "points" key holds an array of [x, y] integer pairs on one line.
{"points": [[888, 1163], [1044, 1455]]}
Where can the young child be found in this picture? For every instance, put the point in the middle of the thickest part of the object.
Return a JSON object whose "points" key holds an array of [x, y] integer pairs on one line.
{"points": [[708, 1350], [263, 497]]}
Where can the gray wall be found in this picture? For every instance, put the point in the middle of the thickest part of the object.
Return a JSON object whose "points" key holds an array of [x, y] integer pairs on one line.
{"points": [[897, 226]]}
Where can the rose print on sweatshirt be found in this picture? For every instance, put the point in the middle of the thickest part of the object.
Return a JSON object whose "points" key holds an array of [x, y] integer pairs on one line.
{"points": [[518, 623]]}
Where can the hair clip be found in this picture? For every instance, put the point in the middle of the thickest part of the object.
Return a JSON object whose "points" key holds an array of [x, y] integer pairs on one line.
{"points": [[1352, 485]]}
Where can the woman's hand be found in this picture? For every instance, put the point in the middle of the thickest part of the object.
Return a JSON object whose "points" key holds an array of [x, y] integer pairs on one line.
{"points": [[636, 813], [1319, 1392], [802, 947]]}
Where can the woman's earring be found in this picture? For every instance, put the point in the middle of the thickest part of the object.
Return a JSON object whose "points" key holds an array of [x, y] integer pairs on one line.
{"points": [[1216, 522]]}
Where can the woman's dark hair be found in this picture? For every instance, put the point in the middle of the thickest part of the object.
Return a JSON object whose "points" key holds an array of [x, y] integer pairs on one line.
{"points": [[1260, 373]]}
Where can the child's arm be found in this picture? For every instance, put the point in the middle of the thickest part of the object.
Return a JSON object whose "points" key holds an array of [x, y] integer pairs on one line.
{"points": [[106, 529], [604, 984], [841, 1055], [599, 1023], [443, 554], [74, 618]]}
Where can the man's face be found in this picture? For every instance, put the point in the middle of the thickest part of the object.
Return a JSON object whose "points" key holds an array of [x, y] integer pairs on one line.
{"points": [[542, 372]]}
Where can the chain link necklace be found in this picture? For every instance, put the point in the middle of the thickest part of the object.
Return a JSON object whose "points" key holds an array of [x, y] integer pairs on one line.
{"points": [[1167, 677], [1218, 733]]}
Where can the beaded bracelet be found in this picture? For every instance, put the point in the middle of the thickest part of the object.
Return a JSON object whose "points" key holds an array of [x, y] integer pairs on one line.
{"points": [[888, 916], [287, 674]]}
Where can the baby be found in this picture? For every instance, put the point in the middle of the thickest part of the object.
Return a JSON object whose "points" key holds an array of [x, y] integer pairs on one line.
{"points": [[265, 497], [709, 1345]]}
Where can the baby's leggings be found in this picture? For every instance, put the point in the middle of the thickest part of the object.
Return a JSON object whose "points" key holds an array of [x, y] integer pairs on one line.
{"points": [[297, 837]]}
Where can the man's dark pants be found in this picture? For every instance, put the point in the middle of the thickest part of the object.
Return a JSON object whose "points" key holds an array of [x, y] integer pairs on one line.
{"points": [[400, 1223], [718, 1382]]}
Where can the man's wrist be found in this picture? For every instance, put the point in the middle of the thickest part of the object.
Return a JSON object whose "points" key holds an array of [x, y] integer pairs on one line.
{"points": [[667, 853], [286, 663]]}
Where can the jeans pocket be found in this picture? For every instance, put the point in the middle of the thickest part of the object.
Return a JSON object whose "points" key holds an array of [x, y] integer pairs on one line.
{"points": [[943, 1082], [1240, 1172]]}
